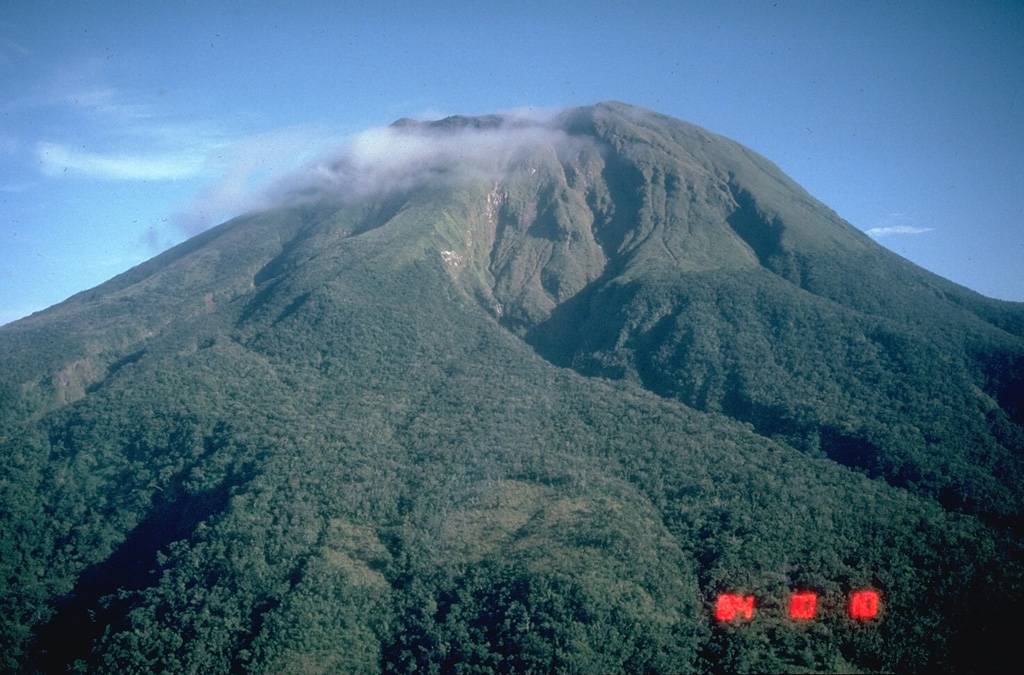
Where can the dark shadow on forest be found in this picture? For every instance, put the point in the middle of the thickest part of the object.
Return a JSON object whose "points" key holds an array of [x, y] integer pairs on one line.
{"points": [[105, 591]]}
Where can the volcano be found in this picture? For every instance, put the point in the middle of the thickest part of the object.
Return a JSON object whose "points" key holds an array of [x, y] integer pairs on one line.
{"points": [[599, 392]]}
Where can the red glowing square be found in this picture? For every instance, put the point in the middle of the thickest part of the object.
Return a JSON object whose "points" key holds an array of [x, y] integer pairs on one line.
{"points": [[803, 605], [729, 606], [864, 605]]}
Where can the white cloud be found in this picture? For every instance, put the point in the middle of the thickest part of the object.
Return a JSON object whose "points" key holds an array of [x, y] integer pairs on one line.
{"points": [[289, 165], [244, 169], [897, 229], [130, 141], [110, 135], [108, 103], [117, 137], [401, 157], [56, 159]]}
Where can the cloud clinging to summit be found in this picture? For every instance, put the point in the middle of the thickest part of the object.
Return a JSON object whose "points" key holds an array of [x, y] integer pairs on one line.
{"points": [[404, 156], [262, 171]]}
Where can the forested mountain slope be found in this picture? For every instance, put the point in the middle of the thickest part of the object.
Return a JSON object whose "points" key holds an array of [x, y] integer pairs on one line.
{"points": [[528, 398]]}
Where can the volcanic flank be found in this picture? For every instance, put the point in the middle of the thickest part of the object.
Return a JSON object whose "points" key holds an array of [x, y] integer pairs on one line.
{"points": [[502, 394]]}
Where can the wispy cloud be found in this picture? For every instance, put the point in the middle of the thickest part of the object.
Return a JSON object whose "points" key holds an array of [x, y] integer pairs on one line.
{"points": [[56, 159], [897, 229], [401, 157], [109, 103], [116, 136], [102, 132], [242, 172], [293, 165]]}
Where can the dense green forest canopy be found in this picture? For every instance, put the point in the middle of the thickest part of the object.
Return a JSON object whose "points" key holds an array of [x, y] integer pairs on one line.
{"points": [[535, 415]]}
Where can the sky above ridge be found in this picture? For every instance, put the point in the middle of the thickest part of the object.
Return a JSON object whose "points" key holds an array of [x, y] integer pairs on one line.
{"points": [[126, 127]]}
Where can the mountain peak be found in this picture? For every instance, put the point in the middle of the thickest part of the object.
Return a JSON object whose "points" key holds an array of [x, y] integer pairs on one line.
{"points": [[516, 393]]}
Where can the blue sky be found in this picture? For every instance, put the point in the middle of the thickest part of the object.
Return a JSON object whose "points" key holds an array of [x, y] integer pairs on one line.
{"points": [[127, 126]]}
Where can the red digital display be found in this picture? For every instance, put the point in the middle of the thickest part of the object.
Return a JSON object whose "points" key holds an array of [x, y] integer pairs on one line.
{"points": [[864, 605], [803, 605], [729, 606]]}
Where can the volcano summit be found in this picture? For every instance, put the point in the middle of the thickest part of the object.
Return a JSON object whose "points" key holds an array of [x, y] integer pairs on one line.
{"points": [[504, 394]]}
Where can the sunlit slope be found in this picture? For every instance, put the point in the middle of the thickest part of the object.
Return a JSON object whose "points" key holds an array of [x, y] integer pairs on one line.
{"points": [[680, 260], [316, 440]]}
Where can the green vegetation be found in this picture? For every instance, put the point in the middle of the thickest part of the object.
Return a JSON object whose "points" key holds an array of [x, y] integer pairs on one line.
{"points": [[314, 440]]}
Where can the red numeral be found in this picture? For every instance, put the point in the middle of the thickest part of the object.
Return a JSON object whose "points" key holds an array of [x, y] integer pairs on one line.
{"points": [[802, 606], [864, 605], [730, 605]]}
